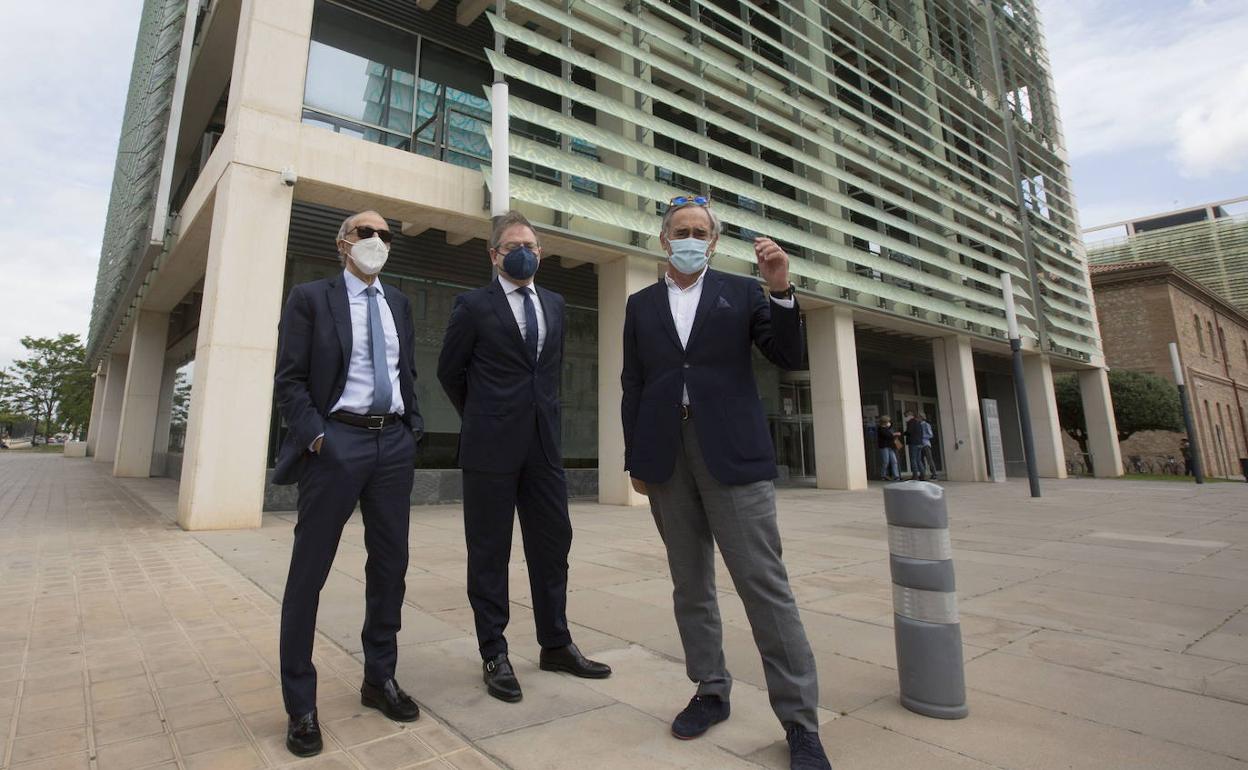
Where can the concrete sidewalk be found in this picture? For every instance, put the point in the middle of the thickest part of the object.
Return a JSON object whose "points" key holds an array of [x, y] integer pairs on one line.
{"points": [[1105, 627]]}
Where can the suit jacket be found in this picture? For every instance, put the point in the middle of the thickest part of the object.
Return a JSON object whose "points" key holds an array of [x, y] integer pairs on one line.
{"points": [[717, 369], [313, 352], [501, 394]]}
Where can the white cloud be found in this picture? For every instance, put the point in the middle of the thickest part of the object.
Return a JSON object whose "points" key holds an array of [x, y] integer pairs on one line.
{"points": [[64, 92], [1213, 132], [1134, 75]]}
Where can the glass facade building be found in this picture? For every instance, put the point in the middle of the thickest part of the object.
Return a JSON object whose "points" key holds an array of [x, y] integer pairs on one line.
{"points": [[906, 154]]}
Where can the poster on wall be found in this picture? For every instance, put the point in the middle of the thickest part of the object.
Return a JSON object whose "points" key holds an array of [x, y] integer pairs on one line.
{"points": [[992, 439]]}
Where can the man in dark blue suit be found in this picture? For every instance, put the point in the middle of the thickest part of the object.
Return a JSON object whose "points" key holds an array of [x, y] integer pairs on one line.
{"points": [[500, 366], [696, 441], [346, 388]]}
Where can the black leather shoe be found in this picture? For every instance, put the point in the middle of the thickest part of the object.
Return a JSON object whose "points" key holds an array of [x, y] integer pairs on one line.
{"points": [[390, 700], [805, 750], [500, 679], [303, 735], [570, 660], [702, 712]]}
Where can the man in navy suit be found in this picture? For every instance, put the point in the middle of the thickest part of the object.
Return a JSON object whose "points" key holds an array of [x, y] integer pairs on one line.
{"points": [[500, 366], [696, 441], [346, 388]]}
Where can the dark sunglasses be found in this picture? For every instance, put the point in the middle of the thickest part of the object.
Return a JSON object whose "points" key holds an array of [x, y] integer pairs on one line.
{"points": [[365, 232], [682, 200]]}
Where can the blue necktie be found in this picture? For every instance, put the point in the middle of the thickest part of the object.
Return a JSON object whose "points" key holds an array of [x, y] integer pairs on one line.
{"points": [[530, 322], [377, 351]]}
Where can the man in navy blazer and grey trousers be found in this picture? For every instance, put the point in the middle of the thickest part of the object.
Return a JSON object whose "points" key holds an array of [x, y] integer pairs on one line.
{"points": [[501, 363], [346, 388], [696, 441]]}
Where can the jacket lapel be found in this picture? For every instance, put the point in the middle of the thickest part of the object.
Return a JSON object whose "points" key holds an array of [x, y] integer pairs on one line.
{"points": [[498, 299], [712, 284], [663, 309], [553, 324], [336, 293]]}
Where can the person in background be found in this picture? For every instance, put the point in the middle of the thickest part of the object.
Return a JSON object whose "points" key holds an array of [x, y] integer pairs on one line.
{"points": [[929, 460], [886, 442], [914, 446], [1185, 449]]}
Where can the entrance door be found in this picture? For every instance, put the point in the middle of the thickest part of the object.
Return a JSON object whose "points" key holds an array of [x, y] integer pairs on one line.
{"points": [[919, 405], [792, 430]]}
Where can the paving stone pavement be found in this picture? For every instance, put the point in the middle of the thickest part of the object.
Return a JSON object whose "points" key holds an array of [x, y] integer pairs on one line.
{"points": [[1105, 626]]}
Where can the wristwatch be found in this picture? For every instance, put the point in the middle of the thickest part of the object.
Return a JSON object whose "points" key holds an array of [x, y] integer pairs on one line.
{"points": [[786, 294]]}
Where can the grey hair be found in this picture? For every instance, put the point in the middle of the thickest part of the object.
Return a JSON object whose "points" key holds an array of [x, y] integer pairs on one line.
{"points": [[717, 227]]}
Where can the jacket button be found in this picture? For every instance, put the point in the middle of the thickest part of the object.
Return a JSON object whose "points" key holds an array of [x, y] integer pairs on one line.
{"points": [[686, 366]]}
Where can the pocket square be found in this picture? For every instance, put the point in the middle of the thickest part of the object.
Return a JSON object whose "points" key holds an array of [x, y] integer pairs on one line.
{"points": [[721, 302]]}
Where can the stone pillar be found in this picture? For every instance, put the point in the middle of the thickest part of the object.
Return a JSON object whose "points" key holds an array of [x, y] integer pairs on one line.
{"points": [[142, 395], [840, 459], [271, 57], [110, 412], [223, 472], [164, 415], [1046, 429], [97, 410], [1098, 416], [961, 431], [616, 281]]}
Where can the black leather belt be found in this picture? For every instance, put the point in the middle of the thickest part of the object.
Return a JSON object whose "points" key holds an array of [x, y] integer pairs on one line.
{"points": [[370, 421], [685, 412]]}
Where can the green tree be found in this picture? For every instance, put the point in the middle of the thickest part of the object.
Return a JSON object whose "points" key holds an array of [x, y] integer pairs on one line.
{"points": [[1141, 402], [53, 382], [12, 408]]}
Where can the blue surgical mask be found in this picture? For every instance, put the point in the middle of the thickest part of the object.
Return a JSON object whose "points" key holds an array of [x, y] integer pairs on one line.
{"points": [[689, 254], [520, 263]]}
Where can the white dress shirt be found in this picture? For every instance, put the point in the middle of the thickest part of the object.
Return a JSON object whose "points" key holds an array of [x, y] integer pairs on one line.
{"points": [[357, 396], [516, 300], [684, 307]]}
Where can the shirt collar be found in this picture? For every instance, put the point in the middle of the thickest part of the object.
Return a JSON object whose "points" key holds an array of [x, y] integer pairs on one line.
{"points": [[355, 286], [510, 286], [672, 285]]}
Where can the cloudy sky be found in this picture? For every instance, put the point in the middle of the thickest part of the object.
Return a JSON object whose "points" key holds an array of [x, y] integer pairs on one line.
{"points": [[1153, 95]]}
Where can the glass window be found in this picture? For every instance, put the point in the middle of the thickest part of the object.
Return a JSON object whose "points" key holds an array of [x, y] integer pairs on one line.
{"points": [[361, 70], [1213, 341], [452, 113], [1200, 333]]}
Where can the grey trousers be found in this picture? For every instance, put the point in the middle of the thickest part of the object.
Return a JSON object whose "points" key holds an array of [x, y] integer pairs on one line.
{"points": [[695, 512]]}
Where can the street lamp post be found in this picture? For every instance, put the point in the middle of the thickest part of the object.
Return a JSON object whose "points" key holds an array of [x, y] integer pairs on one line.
{"points": [[1188, 425], [1020, 385]]}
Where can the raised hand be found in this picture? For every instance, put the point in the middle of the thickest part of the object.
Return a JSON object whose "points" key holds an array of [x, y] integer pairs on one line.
{"points": [[773, 263]]}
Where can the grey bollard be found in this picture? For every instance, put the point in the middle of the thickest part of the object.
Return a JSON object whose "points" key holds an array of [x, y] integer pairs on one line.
{"points": [[925, 605]]}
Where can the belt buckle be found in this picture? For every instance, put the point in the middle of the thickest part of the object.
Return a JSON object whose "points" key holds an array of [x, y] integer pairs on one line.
{"points": [[376, 421], [684, 412]]}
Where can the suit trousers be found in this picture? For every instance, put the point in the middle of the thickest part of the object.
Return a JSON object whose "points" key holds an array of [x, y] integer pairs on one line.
{"points": [[373, 468], [698, 512], [538, 492]]}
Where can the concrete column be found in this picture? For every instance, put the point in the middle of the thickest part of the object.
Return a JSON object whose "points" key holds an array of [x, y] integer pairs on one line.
{"points": [[164, 414], [271, 57], [616, 281], [142, 396], [961, 430], [1098, 415], [1046, 429], [840, 460], [110, 412], [97, 410], [223, 470]]}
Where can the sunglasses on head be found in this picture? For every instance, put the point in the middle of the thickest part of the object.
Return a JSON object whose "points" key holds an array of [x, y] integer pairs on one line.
{"points": [[683, 200], [365, 232]]}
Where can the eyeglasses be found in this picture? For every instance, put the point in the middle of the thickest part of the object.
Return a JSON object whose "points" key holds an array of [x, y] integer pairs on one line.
{"points": [[507, 248], [684, 200], [365, 232]]}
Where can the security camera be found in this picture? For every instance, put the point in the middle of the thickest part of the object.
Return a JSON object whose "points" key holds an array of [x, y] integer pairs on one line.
{"points": [[289, 177]]}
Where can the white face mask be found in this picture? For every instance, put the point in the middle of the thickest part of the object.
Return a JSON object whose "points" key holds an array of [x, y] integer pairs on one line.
{"points": [[370, 255]]}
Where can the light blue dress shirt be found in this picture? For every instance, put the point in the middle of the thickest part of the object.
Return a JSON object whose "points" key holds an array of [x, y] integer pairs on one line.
{"points": [[357, 396]]}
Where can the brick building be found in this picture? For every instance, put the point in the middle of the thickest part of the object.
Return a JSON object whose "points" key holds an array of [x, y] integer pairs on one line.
{"points": [[1142, 308]]}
